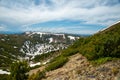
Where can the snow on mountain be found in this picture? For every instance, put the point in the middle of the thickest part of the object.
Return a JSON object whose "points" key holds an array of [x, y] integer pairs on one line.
{"points": [[51, 40], [45, 42], [63, 35], [71, 37], [36, 49], [3, 39], [44, 33], [29, 44]]}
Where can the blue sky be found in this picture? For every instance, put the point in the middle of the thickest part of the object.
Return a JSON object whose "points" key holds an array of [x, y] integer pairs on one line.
{"points": [[69, 16]]}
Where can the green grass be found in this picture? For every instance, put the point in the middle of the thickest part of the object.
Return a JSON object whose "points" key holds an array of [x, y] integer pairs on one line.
{"points": [[101, 60]]}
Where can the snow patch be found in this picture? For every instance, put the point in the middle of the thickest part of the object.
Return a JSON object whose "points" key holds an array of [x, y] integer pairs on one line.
{"points": [[71, 37], [35, 64], [3, 39], [14, 47], [46, 62], [60, 35], [50, 40], [31, 50], [4, 72]]}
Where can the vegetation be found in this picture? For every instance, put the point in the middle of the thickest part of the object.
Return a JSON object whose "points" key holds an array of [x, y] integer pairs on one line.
{"points": [[56, 63], [102, 45], [68, 52], [4, 77], [9, 48], [101, 60], [19, 71]]}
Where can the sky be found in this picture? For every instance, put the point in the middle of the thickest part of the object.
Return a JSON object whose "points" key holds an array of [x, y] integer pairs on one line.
{"points": [[58, 16]]}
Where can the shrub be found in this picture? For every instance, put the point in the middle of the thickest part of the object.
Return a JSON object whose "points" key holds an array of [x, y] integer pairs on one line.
{"points": [[69, 52], [59, 62]]}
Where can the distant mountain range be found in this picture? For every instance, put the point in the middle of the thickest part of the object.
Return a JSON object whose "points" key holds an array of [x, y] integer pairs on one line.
{"points": [[27, 45]]}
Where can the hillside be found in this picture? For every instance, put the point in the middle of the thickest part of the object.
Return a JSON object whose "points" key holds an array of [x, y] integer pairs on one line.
{"points": [[98, 58], [106, 43], [30, 44]]}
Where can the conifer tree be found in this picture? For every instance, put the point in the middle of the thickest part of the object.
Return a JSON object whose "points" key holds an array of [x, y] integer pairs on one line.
{"points": [[19, 70]]}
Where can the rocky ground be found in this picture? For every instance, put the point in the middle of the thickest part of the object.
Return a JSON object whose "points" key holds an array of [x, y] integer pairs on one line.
{"points": [[78, 68]]}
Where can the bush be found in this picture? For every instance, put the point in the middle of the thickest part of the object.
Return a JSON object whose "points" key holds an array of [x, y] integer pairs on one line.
{"points": [[59, 62], [69, 52]]}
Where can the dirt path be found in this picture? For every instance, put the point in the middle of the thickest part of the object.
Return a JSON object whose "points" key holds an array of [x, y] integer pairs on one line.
{"points": [[78, 68]]}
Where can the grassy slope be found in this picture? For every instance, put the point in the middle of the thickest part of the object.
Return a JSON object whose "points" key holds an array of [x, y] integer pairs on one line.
{"points": [[103, 44]]}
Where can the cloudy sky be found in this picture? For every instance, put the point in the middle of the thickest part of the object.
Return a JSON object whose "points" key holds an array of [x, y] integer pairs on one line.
{"points": [[69, 16]]}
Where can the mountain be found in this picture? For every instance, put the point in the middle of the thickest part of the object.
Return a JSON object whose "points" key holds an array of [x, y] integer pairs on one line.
{"points": [[96, 57], [29, 44]]}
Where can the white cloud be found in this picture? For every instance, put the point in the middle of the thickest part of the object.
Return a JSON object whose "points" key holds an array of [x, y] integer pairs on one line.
{"points": [[23, 12], [26, 12]]}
